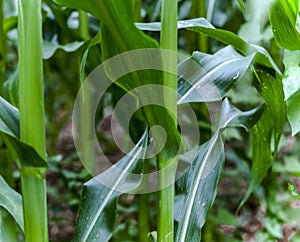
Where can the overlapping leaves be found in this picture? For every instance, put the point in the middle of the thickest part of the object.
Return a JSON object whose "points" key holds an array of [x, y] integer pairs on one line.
{"points": [[116, 23], [284, 18], [9, 131], [197, 189]]}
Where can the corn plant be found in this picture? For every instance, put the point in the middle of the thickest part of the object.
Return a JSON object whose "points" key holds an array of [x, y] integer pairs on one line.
{"points": [[151, 72]]}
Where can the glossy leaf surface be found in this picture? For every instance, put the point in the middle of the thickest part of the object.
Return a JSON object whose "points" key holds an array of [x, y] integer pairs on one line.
{"points": [[197, 188], [201, 25], [98, 209], [211, 76], [267, 132], [284, 18], [12, 202]]}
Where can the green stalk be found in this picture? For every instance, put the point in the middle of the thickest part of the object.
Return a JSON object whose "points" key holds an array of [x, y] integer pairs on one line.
{"points": [[137, 4], [169, 39], [199, 42], [32, 120], [85, 109], [84, 25], [143, 214], [203, 41], [2, 49], [143, 209]]}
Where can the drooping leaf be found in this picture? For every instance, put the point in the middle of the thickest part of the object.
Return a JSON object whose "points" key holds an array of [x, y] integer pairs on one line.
{"points": [[95, 41], [284, 18], [291, 85], [50, 48], [98, 209], [201, 25], [12, 202], [209, 77], [197, 188], [267, 132], [9, 130]]}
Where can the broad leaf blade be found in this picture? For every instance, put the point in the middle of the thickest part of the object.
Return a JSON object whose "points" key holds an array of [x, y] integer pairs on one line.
{"points": [[291, 84], [197, 189], [12, 202], [283, 17], [98, 209], [211, 76], [116, 23], [201, 25], [9, 130], [267, 132]]}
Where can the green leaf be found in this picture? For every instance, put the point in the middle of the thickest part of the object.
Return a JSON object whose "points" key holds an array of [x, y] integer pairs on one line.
{"points": [[201, 25], [273, 226], [95, 41], [10, 23], [152, 236], [284, 18], [116, 23], [242, 6], [291, 85], [293, 191], [98, 209], [50, 48], [9, 130], [212, 76], [267, 132], [291, 165], [197, 188], [12, 202], [224, 217]]}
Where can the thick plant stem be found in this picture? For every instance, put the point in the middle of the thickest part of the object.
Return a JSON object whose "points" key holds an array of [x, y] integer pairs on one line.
{"points": [[169, 42], [165, 228], [32, 120]]}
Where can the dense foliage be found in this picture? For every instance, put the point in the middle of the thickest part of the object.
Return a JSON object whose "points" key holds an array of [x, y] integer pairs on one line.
{"points": [[228, 171]]}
